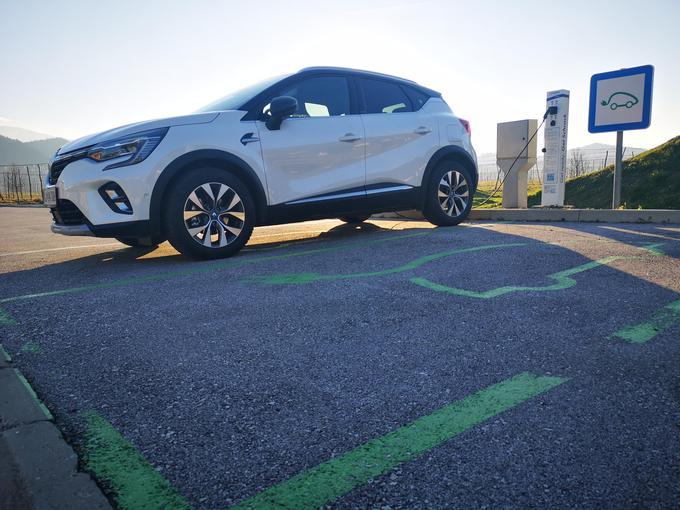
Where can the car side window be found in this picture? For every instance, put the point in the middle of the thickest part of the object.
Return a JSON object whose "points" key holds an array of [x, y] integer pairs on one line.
{"points": [[320, 96], [417, 97], [384, 97]]}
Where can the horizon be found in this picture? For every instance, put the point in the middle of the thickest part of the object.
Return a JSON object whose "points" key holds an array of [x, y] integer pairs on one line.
{"points": [[96, 76]]}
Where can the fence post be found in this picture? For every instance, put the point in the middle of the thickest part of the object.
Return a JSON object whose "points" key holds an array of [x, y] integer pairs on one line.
{"points": [[42, 190], [30, 186]]}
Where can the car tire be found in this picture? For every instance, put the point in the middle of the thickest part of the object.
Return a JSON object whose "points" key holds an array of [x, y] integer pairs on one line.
{"points": [[140, 242], [355, 218], [448, 194], [208, 214]]}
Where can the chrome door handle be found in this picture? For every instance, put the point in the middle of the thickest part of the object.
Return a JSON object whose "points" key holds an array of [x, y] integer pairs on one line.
{"points": [[349, 137], [423, 130]]}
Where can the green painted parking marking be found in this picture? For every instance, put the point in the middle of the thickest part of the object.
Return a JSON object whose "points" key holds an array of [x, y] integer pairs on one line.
{"points": [[6, 319], [4, 354], [300, 278], [661, 321], [132, 481], [562, 279], [30, 347], [33, 394], [326, 482]]}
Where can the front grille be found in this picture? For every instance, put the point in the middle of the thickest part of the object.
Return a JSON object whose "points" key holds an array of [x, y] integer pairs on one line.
{"points": [[59, 163], [66, 213]]}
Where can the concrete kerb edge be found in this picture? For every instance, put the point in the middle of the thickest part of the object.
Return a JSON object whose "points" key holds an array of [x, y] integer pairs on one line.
{"points": [[660, 216], [25, 463]]}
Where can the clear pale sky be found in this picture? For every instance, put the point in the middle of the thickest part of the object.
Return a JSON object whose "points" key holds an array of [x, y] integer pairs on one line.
{"points": [[69, 68]]}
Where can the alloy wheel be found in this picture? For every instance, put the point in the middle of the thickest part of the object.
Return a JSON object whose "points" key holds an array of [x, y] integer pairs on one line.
{"points": [[214, 215], [453, 193]]}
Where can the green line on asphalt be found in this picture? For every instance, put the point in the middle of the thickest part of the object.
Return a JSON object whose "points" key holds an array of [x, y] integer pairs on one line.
{"points": [[5, 318], [33, 394], [300, 278], [661, 321], [205, 268], [31, 347], [4, 354], [326, 482], [562, 278], [132, 481]]}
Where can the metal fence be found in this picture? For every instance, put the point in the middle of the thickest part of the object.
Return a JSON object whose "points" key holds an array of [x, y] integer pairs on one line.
{"points": [[22, 183]]}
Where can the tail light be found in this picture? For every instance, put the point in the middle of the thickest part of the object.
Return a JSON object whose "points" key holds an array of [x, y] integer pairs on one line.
{"points": [[466, 125]]}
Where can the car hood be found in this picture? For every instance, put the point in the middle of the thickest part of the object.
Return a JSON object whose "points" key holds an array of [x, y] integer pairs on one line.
{"points": [[129, 129]]}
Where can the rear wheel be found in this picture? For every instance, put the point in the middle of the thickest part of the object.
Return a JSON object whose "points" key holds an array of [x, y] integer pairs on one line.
{"points": [[448, 196], [209, 213], [355, 218]]}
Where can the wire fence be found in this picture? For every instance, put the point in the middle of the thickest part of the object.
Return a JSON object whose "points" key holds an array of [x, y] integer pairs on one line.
{"points": [[22, 184]]}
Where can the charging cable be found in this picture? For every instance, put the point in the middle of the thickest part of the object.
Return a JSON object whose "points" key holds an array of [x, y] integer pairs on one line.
{"points": [[552, 110]]}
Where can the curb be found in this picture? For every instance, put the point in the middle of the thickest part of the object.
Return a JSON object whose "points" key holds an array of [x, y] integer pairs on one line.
{"points": [[23, 205], [661, 216], [38, 469]]}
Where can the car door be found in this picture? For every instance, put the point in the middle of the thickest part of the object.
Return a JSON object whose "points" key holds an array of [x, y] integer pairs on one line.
{"points": [[400, 138], [318, 152]]}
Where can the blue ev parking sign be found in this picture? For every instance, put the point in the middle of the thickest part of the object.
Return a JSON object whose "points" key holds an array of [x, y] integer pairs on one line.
{"points": [[621, 100]]}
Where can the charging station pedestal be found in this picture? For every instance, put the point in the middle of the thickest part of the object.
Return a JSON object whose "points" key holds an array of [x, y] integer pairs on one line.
{"points": [[511, 142], [555, 157]]}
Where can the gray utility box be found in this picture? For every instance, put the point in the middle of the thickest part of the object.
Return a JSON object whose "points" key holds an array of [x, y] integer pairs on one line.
{"points": [[511, 142]]}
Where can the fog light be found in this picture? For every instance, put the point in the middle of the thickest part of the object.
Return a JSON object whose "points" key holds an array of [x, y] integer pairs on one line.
{"points": [[115, 198]]}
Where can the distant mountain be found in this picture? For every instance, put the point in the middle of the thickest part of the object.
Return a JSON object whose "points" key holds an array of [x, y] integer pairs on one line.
{"points": [[39, 151], [23, 135]]}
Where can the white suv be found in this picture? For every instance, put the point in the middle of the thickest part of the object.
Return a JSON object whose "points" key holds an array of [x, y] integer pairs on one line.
{"points": [[321, 143]]}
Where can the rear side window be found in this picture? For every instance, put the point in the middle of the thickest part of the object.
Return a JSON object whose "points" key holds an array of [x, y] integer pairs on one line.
{"points": [[320, 96], [417, 97], [384, 97]]}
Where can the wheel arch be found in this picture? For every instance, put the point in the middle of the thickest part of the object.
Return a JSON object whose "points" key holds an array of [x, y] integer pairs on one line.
{"points": [[453, 153], [449, 153], [206, 158]]}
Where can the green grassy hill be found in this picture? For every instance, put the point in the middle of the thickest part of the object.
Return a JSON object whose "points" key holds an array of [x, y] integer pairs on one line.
{"points": [[40, 151], [651, 180]]}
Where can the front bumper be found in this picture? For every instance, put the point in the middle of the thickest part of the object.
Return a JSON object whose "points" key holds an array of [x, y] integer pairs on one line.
{"points": [[72, 230]]}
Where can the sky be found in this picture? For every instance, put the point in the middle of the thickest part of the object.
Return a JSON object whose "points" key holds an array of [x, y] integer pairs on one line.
{"points": [[72, 67]]}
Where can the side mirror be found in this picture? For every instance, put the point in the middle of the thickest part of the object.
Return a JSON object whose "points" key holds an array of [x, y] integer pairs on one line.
{"points": [[280, 108]]}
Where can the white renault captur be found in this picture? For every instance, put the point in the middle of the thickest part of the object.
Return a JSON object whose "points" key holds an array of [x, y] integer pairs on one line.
{"points": [[321, 143]]}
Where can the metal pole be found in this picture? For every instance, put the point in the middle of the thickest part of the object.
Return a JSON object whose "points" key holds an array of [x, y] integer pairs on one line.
{"points": [[616, 196]]}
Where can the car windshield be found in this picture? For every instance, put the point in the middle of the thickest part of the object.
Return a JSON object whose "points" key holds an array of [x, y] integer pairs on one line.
{"points": [[236, 99]]}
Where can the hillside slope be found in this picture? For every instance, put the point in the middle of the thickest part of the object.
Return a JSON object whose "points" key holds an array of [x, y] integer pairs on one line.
{"points": [[651, 180], [40, 151]]}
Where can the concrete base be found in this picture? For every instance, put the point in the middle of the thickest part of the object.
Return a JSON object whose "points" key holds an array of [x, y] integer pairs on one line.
{"points": [[582, 215], [554, 214]]}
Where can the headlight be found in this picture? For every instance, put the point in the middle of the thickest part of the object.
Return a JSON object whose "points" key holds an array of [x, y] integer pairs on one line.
{"points": [[134, 148]]}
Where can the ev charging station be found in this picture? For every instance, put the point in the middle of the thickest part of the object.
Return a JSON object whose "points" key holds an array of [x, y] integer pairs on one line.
{"points": [[555, 148], [515, 155]]}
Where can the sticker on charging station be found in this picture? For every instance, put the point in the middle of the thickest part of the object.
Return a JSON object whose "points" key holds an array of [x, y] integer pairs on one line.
{"points": [[621, 100]]}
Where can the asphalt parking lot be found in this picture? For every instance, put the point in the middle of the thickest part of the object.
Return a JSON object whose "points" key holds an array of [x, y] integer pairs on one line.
{"points": [[391, 365]]}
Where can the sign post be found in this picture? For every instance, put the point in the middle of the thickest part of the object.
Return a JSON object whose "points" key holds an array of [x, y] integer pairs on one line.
{"points": [[620, 101]]}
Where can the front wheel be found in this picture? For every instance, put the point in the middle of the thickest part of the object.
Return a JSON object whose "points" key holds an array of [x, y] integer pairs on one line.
{"points": [[209, 213], [448, 195]]}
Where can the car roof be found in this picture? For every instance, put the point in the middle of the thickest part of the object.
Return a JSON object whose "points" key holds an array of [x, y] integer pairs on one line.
{"points": [[367, 74]]}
